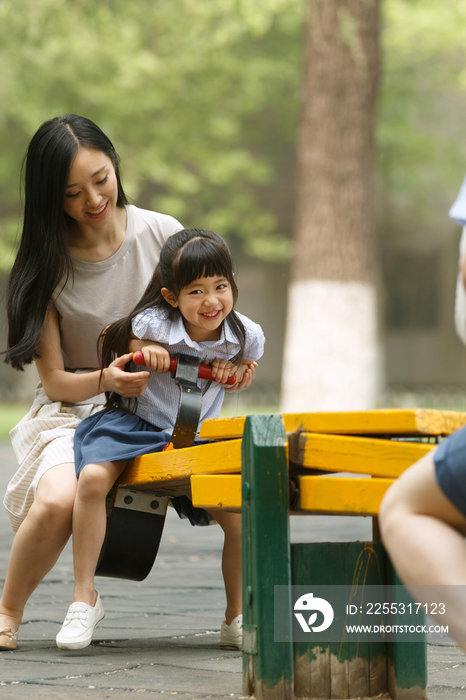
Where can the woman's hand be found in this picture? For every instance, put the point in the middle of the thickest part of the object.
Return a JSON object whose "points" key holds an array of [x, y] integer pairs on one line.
{"points": [[245, 377], [127, 384]]}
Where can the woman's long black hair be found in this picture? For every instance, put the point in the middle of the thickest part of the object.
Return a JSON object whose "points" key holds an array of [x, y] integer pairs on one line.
{"points": [[186, 256], [43, 261]]}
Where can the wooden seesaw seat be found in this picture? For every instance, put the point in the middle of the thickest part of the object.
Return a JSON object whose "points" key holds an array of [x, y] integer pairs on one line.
{"points": [[314, 463]]}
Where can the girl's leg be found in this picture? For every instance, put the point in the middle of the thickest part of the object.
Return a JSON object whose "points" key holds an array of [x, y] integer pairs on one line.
{"points": [[38, 543], [424, 535], [89, 524], [231, 561]]}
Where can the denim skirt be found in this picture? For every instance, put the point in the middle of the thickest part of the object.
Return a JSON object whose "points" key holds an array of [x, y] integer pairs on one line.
{"points": [[450, 468], [113, 436]]}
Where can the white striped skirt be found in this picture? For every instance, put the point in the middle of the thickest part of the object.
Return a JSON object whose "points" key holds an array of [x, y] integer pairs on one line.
{"points": [[42, 439]]}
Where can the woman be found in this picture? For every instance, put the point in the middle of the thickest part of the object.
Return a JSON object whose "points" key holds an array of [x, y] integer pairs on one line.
{"points": [[85, 258]]}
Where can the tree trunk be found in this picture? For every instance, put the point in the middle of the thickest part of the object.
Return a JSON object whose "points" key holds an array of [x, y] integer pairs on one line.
{"points": [[331, 359]]}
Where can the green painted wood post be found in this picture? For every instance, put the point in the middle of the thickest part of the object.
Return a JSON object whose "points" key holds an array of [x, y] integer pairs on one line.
{"points": [[407, 663], [339, 669], [267, 665]]}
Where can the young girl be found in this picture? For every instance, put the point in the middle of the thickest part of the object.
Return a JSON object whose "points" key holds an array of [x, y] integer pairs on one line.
{"points": [[188, 307]]}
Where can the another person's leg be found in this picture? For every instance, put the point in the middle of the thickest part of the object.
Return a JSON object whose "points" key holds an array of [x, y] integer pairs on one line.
{"points": [[423, 532], [37, 545], [231, 633]]}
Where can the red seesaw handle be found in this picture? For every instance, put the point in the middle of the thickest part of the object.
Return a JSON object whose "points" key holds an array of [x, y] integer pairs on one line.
{"points": [[205, 371]]}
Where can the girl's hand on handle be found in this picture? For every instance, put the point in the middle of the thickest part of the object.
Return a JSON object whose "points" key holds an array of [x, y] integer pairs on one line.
{"points": [[127, 384], [222, 370], [246, 375], [156, 358]]}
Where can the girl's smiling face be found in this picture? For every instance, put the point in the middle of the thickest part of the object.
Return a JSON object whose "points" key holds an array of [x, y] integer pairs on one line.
{"points": [[204, 305], [92, 190]]}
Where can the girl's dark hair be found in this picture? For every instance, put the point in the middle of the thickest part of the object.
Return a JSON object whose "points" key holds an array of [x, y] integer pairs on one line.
{"points": [[43, 261], [186, 256]]}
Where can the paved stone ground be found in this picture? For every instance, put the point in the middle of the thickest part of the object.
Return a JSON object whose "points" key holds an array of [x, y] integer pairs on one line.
{"points": [[160, 637]]}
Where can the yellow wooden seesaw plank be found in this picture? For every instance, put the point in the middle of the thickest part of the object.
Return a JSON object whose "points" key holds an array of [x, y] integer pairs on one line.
{"points": [[337, 453], [219, 491], [418, 421], [341, 496], [174, 465], [324, 495]]}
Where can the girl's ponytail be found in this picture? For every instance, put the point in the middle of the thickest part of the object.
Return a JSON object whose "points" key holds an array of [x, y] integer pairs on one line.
{"points": [[115, 339], [113, 342]]}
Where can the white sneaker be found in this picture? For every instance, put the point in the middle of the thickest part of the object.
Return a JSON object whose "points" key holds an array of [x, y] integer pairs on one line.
{"points": [[78, 627], [231, 636]]}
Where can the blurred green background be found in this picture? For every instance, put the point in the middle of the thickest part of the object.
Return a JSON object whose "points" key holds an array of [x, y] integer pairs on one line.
{"points": [[202, 101]]}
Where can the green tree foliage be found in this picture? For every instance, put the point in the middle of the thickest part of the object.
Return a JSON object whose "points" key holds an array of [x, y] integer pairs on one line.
{"points": [[421, 132], [200, 99]]}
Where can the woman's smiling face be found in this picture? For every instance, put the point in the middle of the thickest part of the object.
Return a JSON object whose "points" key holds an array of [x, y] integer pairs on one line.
{"points": [[92, 190]]}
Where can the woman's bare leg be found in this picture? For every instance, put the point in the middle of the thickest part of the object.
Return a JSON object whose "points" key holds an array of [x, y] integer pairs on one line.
{"points": [[89, 524], [231, 561], [424, 536], [38, 543]]}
